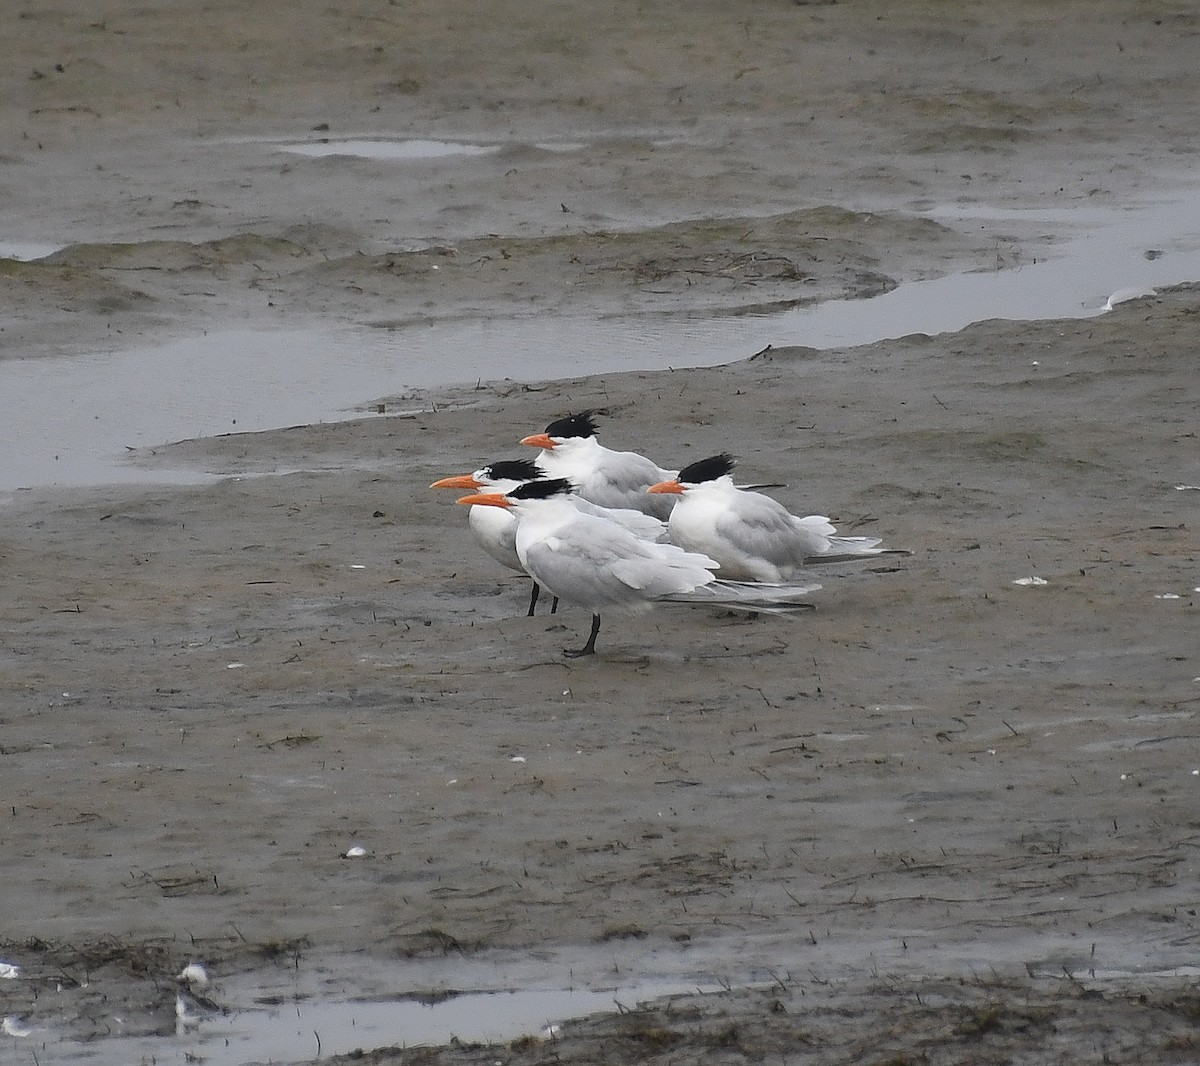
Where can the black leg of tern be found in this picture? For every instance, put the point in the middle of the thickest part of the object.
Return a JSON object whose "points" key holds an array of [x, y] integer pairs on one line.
{"points": [[590, 647], [554, 605], [533, 598]]}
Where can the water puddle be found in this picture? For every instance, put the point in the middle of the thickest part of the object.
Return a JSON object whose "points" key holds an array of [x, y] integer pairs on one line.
{"points": [[396, 151], [1118, 255], [292, 1031], [408, 151], [26, 251], [347, 1003], [69, 421], [304, 1025]]}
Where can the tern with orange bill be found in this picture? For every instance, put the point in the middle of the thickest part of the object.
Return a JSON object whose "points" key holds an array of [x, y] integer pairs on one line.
{"points": [[596, 563], [752, 536], [495, 529], [609, 478]]}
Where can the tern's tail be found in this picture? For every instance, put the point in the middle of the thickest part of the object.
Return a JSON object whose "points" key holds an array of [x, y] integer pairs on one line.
{"points": [[843, 548], [749, 596], [825, 545], [855, 545]]}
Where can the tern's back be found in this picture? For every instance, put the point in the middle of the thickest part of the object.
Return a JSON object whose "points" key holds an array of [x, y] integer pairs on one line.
{"points": [[593, 562]]}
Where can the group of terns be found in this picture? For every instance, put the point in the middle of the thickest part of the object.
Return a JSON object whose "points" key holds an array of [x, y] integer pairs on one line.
{"points": [[605, 529]]}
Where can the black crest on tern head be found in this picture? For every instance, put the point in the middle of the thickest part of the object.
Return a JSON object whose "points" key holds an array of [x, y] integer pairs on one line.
{"points": [[514, 470], [709, 469], [542, 490], [582, 424]]}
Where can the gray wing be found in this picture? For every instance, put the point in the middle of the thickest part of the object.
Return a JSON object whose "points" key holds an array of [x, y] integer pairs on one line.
{"points": [[596, 563], [622, 482], [763, 528]]}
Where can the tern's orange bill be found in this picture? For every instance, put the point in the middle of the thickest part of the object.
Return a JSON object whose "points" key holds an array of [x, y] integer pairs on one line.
{"points": [[666, 486], [461, 481], [486, 499], [539, 440]]}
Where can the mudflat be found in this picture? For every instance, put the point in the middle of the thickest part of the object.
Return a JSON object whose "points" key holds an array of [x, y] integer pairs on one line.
{"points": [[948, 816]]}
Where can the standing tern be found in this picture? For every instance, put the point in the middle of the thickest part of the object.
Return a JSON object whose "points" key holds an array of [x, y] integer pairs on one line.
{"points": [[609, 478], [599, 564], [496, 529], [753, 537]]}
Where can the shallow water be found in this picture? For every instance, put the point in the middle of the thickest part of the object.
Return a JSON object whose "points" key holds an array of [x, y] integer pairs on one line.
{"points": [[303, 1018], [71, 420], [406, 151], [291, 1015], [26, 250], [384, 149]]}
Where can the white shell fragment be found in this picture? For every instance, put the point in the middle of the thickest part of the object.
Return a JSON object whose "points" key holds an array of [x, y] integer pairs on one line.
{"points": [[9, 972], [12, 1026], [1031, 581], [356, 852], [1167, 596], [194, 974], [517, 758]]}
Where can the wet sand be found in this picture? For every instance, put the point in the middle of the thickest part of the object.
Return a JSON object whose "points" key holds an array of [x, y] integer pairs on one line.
{"points": [[943, 818]]}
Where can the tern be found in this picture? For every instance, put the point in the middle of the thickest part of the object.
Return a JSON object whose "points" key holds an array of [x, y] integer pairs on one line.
{"points": [[599, 564], [496, 529], [753, 537], [609, 478]]}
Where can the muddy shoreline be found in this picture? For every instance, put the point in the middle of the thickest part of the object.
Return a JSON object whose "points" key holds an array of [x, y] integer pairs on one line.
{"points": [[946, 818], [369, 680]]}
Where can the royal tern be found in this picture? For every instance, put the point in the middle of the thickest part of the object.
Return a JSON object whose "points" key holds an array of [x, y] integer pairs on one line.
{"points": [[495, 528], [596, 563], [609, 478], [753, 537]]}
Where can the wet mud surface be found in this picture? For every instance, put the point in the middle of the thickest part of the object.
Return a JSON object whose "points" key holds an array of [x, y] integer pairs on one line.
{"points": [[945, 818]]}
